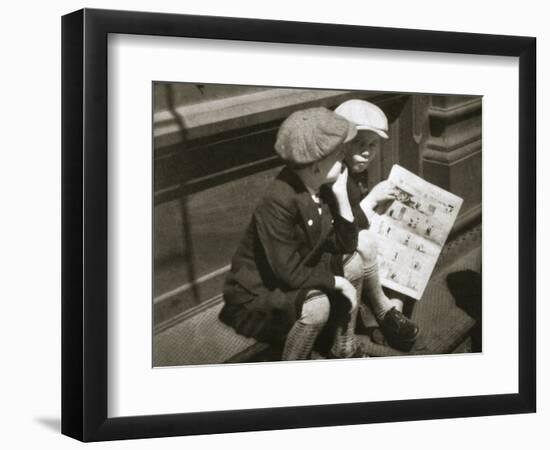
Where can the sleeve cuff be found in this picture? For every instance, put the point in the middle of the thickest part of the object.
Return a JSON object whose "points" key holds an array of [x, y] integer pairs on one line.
{"points": [[343, 221]]}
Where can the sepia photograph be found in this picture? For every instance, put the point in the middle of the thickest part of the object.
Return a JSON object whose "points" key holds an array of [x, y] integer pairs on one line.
{"points": [[310, 224]]}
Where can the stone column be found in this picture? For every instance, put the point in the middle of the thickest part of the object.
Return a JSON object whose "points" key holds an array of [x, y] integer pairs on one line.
{"points": [[451, 154]]}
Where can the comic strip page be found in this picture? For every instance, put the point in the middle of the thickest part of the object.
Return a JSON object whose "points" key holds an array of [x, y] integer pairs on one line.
{"points": [[412, 232]]}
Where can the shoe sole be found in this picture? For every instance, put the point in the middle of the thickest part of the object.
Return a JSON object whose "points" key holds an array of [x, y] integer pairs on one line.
{"points": [[404, 345]]}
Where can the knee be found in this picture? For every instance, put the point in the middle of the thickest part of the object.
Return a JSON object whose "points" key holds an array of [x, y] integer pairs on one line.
{"points": [[353, 268], [316, 309], [367, 247]]}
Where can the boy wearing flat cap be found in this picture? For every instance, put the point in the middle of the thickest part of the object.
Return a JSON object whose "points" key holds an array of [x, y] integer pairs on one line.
{"points": [[296, 264], [372, 125]]}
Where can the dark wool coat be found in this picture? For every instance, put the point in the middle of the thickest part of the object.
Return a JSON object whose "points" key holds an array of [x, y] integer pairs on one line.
{"points": [[287, 249], [356, 193]]}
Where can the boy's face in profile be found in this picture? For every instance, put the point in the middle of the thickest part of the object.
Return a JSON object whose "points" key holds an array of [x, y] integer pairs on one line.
{"points": [[361, 150], [331, 166]]}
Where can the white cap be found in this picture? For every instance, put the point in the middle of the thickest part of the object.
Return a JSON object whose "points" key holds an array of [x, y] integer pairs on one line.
{"points": [[365, 116]]}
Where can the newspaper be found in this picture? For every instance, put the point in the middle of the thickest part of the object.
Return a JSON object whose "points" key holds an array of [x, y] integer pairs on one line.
{"points": [[412, 232]]}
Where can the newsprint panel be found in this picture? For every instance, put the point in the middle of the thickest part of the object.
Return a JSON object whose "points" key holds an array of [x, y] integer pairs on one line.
{"points": [[412, 231]]}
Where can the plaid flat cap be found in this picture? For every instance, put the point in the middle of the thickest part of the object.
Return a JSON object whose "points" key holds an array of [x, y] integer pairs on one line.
{"points": [[312, 134]]}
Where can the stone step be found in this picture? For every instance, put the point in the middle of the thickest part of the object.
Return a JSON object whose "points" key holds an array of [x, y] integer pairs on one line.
{"points": [[198, 337]]}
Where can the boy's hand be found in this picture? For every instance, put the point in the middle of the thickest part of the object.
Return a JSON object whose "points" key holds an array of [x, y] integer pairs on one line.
{"points": [[340, 186], [340, 190], [346, 288], [384, 192]]}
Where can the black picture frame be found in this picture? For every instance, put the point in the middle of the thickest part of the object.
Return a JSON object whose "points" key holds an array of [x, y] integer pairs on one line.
{"points": [[84, 224]]}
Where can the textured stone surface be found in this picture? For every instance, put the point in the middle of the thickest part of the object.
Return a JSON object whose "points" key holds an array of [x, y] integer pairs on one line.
{"points": [[199, 339]]}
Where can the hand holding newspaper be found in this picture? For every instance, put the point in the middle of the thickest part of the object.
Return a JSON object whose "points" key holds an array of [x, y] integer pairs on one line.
{"points": [[412, 231]]}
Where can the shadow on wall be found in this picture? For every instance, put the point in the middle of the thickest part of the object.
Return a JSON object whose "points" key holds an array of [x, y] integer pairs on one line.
{"points": [[188, 253]]}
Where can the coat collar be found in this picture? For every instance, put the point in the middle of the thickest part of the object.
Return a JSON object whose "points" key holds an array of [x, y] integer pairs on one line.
{"points": [[312, 221]]}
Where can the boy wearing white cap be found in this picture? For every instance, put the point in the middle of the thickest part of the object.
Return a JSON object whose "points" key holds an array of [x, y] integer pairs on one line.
{"points": [[289, 273], [371, 125]]}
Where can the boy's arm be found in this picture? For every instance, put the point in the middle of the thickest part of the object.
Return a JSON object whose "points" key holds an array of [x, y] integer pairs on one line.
{"points": [[356, 194], [340, 190], [343, 238]]}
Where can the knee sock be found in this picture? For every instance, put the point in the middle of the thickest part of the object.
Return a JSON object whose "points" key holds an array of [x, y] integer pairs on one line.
{"points": [[344, 344], [373, 294], [300, 340]]}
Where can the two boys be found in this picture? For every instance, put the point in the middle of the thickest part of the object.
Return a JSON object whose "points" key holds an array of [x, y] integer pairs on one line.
{"points": [[307, 255]]}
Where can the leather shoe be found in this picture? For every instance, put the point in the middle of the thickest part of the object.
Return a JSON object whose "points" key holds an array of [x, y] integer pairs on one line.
{"points": [[399, 331]]}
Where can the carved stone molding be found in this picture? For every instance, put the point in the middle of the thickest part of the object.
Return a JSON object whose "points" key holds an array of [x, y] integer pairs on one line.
{"points": [[451, 154]]}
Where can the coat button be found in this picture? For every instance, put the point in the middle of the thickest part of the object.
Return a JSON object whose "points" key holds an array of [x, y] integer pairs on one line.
{"points": [[310, 222]]}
